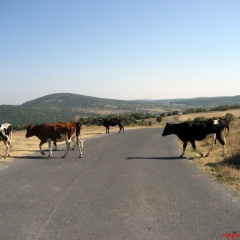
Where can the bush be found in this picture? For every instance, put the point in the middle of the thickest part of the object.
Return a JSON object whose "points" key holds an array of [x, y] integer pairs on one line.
{"points": [[201, 119], [229, 116], [149, 123], [159, 119]]}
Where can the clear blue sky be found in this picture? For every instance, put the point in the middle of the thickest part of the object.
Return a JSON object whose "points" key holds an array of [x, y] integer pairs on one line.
{"points": [[119, 49]]}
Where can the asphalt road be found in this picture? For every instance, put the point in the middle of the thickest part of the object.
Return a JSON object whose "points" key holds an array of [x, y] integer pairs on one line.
{"points": [[126, 186]]}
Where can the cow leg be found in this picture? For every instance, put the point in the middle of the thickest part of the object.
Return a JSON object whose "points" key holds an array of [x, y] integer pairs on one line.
{"points": [[40, 147], [50, 148], [54, 146], [7, 144], [222, 140], [107, 129], [79, 142], [184, 148], [121, 128], [67, 145], [194, 147], [213, 143], [74, 143]]}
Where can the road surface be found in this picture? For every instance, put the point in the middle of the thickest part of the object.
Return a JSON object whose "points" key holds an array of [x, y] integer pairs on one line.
{"points": [[127, 186]]}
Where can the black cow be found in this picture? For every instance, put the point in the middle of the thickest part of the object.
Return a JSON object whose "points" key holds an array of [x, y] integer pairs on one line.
{"points": [[197, 130], [106, 122], [6, 135]]}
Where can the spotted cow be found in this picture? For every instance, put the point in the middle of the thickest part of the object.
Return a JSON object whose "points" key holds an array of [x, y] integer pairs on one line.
{"points": [[6, 136]]}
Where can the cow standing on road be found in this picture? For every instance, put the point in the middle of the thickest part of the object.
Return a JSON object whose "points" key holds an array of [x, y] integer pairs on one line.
{"points": [[197, 130], [6, 136], [50, 132], [106, 122]]}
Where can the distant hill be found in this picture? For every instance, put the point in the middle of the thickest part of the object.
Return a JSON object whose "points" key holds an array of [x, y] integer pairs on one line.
{"points": [[67, 106], [205, 102]]}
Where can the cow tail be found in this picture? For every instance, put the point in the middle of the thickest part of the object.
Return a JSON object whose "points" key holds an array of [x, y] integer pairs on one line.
{"points": [[78, 129]]}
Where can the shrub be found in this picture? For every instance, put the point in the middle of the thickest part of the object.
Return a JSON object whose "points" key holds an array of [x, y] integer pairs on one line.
{"points": [[159, 119], [229, 116]]}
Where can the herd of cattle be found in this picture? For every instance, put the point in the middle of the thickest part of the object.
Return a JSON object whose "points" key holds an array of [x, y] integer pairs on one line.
{"points": [[188, 131]]}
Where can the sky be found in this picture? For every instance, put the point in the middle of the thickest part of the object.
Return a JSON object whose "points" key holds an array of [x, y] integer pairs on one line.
{"points": [[119, 49]]}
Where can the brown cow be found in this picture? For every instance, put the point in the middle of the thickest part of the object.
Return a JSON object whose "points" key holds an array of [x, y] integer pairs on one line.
{"points": [[58, 132], [216, 118]]}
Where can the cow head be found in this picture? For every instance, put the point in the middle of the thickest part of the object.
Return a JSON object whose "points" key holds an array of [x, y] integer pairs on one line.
{"points": [[168, 129], [101, 121], [8, 130], [3, 136], [30, 131]]}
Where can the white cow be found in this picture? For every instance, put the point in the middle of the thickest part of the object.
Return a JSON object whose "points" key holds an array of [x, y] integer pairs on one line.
{"points": [[6, 136]]}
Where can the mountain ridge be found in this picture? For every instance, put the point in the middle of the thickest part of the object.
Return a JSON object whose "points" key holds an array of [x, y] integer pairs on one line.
{"points": [[68, 106]]}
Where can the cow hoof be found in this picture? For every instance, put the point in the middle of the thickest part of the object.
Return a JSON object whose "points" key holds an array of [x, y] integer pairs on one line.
{"points": [[80, 156], [43, 153], [181, 156]]}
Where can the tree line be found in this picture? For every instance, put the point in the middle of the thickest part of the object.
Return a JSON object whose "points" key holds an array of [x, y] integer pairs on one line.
{"points": [[128, 119], [218, 108]]}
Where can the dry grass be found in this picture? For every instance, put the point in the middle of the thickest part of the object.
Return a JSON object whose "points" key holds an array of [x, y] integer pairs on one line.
{"points": [[224, 169], [191, 116]]}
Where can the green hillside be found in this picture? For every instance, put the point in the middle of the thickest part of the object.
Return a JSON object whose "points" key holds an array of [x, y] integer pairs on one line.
{"points": [[205, 102], [67, 107]]}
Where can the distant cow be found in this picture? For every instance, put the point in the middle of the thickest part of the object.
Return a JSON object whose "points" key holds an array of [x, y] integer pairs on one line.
{"points": [[216, 118], [222, 117], [214, 140], [106, 122], [197, 130], [50, 132], [6, 136]]}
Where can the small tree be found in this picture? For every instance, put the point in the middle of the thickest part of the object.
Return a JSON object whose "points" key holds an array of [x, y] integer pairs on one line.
{"points": [[159, 119], [175, 112], [230, 116]]}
